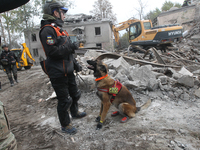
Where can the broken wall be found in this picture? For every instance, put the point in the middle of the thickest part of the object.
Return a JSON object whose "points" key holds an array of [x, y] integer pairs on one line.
{"points": [[183, 16]]}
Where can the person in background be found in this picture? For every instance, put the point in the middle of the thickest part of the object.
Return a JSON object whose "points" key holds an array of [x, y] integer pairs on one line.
{"points": [[8, 61], [60, 63], [186, 3]]}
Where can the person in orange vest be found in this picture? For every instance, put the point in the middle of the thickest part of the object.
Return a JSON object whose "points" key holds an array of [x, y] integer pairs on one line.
{"points": [[60, 63]]}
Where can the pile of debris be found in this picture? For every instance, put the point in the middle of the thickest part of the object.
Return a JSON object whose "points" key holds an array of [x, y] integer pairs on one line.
{"points": [[145, 76]]}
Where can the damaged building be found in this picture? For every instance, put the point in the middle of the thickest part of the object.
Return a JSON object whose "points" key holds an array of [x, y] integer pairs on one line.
{"points": [[91, 34], [185, 16]]}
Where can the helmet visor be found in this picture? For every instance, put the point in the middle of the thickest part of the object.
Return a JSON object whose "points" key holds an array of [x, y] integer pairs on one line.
{"points": [[64, 9]]}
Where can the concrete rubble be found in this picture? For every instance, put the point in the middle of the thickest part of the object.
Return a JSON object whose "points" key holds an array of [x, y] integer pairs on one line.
{"points": [[178, 66], [183, 75]]}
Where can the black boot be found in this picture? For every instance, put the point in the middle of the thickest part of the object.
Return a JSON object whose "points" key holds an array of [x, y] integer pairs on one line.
{"points": [[74, 111], [11, 82], [15, 77]]}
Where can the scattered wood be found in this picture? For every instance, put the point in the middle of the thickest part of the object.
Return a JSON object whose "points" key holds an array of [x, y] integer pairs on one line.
{"points": [[133, 61]]}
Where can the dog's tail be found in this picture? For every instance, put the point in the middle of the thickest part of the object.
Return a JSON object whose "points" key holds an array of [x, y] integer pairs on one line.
{"points": [[145, 105]]}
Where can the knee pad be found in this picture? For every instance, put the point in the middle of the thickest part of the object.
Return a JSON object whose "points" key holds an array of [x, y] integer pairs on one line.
{"points": [[68, 103]]}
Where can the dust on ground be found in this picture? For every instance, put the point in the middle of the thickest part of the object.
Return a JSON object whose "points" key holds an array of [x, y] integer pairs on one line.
{"points": [[168, 124]]}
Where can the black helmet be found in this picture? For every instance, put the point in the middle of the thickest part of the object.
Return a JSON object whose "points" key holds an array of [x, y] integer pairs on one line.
{"points": [[4, 45], [51, 5]]}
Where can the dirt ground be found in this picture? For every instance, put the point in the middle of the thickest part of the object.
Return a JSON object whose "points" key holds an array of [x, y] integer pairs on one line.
{"points": [[168, 124]]}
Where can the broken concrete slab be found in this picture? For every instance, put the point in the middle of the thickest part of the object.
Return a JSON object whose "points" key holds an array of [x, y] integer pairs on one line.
{"points": [[152, 85], [119, 63], [136, 85], [197, 93], [122, 78], [163, 79], [142, 73], [184, 71], [92, 53], [186, 80]]}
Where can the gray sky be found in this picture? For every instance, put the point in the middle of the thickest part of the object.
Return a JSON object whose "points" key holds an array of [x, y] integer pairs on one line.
{"points": [[124, 9]]}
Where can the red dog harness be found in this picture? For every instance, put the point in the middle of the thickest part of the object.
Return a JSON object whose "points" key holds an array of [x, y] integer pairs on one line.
{"points": [[114, 90]]}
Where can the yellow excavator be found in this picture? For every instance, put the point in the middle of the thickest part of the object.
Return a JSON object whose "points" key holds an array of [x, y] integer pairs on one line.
{"points": [[143, 34], [22, 54]]}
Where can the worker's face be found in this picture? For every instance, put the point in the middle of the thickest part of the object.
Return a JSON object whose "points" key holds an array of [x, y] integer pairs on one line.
{"points": [[5, 48], [62, 17]]}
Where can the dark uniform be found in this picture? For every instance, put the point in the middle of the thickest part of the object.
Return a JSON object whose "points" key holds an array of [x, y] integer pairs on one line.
{"points": [[59, 66], [8, 61], [186, 3]]}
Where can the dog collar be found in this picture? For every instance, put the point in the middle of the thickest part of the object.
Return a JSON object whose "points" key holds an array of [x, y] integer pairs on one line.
{"points": [[97, 79]]}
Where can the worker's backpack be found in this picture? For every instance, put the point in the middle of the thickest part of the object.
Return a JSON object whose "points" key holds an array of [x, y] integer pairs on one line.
{"points": [[7, 138]]}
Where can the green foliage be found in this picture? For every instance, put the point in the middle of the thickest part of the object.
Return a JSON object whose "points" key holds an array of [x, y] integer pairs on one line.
{"points": [[178, 5], [168, 4], [165, 7], [152, 14], [123, 42]]}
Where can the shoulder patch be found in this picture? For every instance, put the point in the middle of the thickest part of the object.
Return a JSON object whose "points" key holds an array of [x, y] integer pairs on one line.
{"points": [[50, 40]]}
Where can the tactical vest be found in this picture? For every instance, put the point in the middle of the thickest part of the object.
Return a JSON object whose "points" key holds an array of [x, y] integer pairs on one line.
{"points": [[59, 32], [7, 138]]}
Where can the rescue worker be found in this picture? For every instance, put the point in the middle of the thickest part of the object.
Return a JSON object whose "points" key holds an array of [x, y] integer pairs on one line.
{"points": [[8, 61], [186, 3], [59, 64]]}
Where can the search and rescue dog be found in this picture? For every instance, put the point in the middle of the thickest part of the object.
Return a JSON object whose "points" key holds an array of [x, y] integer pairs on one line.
{"points": [[111, 91]]}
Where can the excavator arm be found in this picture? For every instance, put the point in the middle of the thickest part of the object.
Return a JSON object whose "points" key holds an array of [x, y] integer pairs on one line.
{"points": [[24, 52], [121, 26]]}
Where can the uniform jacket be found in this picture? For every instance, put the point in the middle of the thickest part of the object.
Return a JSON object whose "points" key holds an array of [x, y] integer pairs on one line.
{"points": [[7, 138], [9, 56], [58, 50]]}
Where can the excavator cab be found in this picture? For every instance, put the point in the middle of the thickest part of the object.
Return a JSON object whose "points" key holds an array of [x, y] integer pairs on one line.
{"points": [[135, 30]]}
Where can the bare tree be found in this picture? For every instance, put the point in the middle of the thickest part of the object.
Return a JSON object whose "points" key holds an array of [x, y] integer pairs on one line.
{"points": [[2, 30], [103, 9], [141, 8]]}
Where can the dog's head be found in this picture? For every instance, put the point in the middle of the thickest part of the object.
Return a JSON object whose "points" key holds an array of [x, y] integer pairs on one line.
{"points": [[100, 69]]}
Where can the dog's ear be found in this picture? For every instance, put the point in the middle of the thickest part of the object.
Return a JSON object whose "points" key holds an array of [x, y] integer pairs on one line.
{"points": [[103, 68]]}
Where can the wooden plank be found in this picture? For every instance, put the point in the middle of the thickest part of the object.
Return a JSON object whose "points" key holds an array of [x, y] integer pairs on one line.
{"points": [[160, 60], [133, 61]]}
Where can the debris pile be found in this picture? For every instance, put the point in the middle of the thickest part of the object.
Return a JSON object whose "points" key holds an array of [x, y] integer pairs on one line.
{"points": [[168, 71]]}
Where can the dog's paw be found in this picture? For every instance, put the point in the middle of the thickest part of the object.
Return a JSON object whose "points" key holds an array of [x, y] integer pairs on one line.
{"points": [[99, 126], [98, 119]]}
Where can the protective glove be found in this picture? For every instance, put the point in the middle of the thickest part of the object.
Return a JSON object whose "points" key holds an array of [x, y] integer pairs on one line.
{"points": [[77, 66], [99, 126], [75, 45]]}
